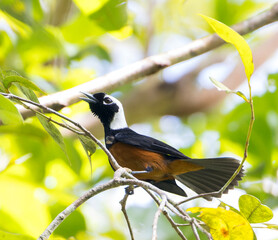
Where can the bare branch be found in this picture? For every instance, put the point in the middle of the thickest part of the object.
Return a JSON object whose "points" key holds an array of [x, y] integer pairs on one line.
{"points": [[194, 229], [64, 214], [123, 204], [157, 214], [151, 64]]}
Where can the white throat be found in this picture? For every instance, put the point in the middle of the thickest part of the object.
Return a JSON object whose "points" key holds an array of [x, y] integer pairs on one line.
{"points": [[118, 121]]}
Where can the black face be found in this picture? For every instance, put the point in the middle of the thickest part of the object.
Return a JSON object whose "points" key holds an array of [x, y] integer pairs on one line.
{"points": [[102, 106]]}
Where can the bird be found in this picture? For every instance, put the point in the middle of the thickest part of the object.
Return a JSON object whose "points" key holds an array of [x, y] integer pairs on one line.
{"points": [[156, 162]]}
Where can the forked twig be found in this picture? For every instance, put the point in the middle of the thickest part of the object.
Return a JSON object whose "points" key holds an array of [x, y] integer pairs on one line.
{"points": [[123, 205]]}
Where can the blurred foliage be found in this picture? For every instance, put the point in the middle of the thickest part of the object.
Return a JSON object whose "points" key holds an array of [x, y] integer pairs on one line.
{"points": [[60, 44]]}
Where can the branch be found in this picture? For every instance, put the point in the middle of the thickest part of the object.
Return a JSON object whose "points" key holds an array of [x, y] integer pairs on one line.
{"points": [[156, 216], [152, 64], [167, 215], [123, 204], [71, 208]]}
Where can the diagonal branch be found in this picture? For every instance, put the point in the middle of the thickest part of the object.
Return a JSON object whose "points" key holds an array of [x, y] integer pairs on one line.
{"points": [[152, 64]]}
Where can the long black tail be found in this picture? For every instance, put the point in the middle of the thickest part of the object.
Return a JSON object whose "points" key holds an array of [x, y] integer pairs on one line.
{"points": [[216, 172]]}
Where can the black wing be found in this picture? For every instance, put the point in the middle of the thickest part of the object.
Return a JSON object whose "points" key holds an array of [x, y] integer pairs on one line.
{"points": [[129, 136]]}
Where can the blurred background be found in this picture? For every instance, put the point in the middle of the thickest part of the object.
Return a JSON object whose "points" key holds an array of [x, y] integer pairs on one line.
{"points": [[61, 44]]}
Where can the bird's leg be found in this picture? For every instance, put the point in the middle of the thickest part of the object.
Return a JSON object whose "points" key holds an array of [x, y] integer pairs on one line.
{"points": [[147, 170], [130, 189]]}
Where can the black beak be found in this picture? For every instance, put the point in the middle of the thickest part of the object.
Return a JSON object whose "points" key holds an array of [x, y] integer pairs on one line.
{"points": [[90, 98]]}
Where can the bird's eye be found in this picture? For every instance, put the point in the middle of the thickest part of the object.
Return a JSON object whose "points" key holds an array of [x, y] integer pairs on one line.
{"points": [[107, 100]]}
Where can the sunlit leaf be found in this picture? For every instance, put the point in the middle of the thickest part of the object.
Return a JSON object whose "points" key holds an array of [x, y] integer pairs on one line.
{"points": [[53, 132], [224, 224], [7, 73], [89, 6], [23, 201], [254, 210], [42, 46], [231, 36], [16, 25], [26, 129], [7, 82], [9, 114], [13, 236], [71, 31], [122, 33], [2, 89]]}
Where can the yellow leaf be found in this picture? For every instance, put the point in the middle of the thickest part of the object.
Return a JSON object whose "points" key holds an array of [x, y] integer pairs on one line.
{"points": [[224, 224], [231, 36], [88, 6]]}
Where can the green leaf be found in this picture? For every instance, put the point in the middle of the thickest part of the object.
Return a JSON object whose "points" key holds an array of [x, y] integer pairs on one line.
{"points": [[254, 211], [7, 82], [13, 236], [71, 31], [2, 89], [224, 224], [28, 93], [88, 145], [9, 114], [221, 87], [231, 36], [26, 129], [53, 132], [112, 16]]}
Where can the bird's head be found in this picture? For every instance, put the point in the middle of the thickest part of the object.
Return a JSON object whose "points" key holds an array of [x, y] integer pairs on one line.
{"points": [[107, 108]]}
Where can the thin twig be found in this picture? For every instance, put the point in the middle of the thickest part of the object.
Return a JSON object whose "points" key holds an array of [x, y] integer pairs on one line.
{"points": [[52, 120], [203, 230], [156, 216], [194, 229], [123, 204], [167, 215]]}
